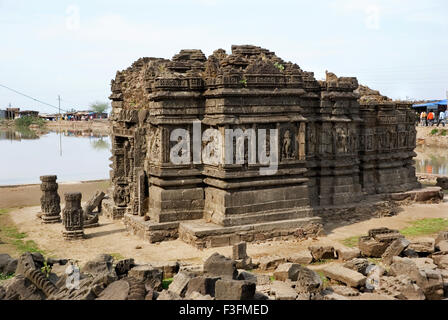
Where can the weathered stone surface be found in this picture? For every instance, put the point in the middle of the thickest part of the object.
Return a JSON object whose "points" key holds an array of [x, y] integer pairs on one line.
{"points": [[234, 290], [345, 291], [25, 262], [372, 248], [197, 296], [443, 235], [20, 288], [72, 217], [11, 267], [441, 259], [428, 279], [168, 295], [423, 245], [50, 200], [442, 182], [308, 281], [400, 287], [283, 291], [247, 276], [303, 257], [123, 266], [203, 285], [322, 252], [180, 282], [168, 268], [219, 266], [270, 262], [5, 259], [117, 290], [287, 271], [344, 275], [442, 246], [346, 254], [358, 264], [100, 264], [394, 249], [239, 251], [149, 275]]}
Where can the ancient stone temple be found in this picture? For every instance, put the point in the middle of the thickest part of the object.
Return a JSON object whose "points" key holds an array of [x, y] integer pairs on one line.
{"points": [[245, 146], [50, 201]]}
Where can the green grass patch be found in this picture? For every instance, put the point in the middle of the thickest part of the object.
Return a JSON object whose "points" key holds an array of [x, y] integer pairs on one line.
{"points": [[3, 211], [351, 242], [434, 131], [6, 276], [117, 256], [25, 122], [325, 280], [425, 227], [166, 283], [443, 132], [12, 236]]}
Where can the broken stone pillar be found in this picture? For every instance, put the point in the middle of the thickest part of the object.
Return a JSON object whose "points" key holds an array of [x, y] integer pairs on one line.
{"points": [[50, 201], [73, 218]]}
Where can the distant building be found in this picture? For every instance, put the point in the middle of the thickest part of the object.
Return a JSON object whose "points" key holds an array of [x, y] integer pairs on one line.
{"points": [[7, 114], [28, 113]]}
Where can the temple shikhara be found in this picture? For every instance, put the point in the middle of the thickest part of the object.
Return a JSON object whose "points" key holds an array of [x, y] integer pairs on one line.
{"points": [[337, 145]]}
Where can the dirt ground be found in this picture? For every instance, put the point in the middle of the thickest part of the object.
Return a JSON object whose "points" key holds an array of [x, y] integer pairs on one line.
{"points": [[425, 138], [29, 195], [112, 238]]}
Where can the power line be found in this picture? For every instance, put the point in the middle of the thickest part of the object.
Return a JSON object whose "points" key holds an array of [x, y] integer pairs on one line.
{"points": [[29, 97]]}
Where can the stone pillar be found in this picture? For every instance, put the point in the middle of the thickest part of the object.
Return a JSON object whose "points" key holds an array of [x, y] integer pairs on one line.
{"points": [[50, 201], [73, 217]]}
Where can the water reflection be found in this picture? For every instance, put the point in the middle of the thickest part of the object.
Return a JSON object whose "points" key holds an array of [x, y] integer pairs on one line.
{"points": [[73, 155], [431, 160]]}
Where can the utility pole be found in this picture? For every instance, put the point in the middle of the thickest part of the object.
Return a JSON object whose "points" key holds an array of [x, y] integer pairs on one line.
{"points": [[59, 99]]}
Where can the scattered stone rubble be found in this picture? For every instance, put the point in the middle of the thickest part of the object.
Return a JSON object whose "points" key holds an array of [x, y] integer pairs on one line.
{"points": [[376, 271]]}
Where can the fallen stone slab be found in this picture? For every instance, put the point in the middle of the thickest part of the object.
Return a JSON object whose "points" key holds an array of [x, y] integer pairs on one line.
{"points": [[203, 285], [394, 249], [442, 182], [442, 236], [234, 290], [287, 271], [247, 276], [220, 266], [308, 281], [345, 275], [168, 295], [5, 259], [346, 254], [180, 283], [169, 268], [442, 246], [117, 290], [322, 252], [372, 248], [423, 245], [270, 262], [150, 276], [303, 257], [441, 259], [283, 291]]}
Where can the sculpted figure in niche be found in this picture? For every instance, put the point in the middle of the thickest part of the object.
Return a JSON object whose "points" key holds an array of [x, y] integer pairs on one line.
{"points": [[286, 146], [121, 196]]}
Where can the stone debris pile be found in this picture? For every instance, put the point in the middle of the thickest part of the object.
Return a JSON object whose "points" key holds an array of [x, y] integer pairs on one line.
{"points": [[385, 267]]}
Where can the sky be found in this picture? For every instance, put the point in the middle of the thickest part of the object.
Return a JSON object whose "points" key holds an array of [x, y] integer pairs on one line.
{"points": [[74, 48]]}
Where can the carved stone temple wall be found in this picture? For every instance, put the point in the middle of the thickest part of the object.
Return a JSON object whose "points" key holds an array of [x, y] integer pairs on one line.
{"points": [[333, 147]]}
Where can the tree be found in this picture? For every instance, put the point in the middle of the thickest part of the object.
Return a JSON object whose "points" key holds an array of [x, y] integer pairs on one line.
{"points": [[99, 107]]}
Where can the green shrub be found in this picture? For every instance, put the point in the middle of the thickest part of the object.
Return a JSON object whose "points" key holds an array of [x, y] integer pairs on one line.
{"points": [[434, 131], [25, 122], [443, 133]]}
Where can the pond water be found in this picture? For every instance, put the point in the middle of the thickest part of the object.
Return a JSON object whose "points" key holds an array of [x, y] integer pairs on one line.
{"points": [[71, 155], [431, 160]]}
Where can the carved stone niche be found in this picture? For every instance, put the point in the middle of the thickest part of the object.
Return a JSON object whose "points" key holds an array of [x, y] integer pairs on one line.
{"points": [[288, 137], [50, 200], [121, 195], [73, 217]]}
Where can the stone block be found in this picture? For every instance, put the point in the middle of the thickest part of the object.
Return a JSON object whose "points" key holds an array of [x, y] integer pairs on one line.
{"points": [[234, 290], [442, 182], [303, 257], [322, 252], [152, 277], [283, 291], [345, 275], [117, 290], [423, 245], [270, 262], [372, 248], [202, 285], [308, 281], [180, 282], [287, 271], [394, 249], [239, 251], [346, 254], [219, 266]]}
